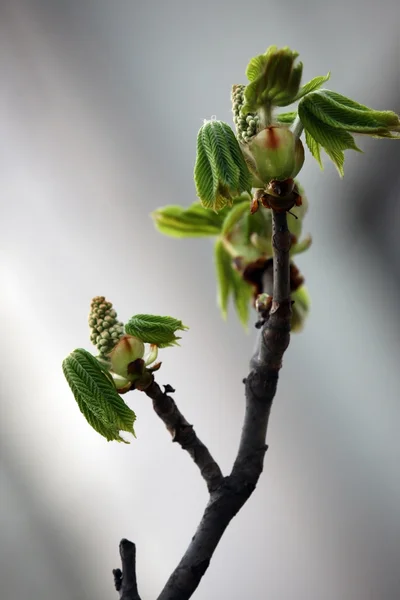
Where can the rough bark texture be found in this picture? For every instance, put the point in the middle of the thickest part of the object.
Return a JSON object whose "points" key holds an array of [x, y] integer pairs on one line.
{"points": [[229, 494]]}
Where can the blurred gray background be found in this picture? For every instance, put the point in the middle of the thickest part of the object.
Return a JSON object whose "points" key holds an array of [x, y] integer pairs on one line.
{"points": [[100, 103]]}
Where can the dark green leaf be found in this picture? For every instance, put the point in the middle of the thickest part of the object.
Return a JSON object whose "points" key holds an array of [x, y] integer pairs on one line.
{"points": [[97, 398], [154, 329], [220, 171]]}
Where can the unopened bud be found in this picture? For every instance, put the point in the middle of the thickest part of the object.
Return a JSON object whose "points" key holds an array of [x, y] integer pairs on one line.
{"points": [[128, 350], [275, 153]]}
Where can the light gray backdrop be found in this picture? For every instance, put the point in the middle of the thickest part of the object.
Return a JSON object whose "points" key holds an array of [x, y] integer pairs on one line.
{"points": [[100, 103]]}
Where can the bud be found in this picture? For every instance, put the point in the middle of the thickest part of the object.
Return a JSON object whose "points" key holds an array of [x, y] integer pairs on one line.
{"points": [[274, 153], [128, 350], [105, 329], [246, 125]]}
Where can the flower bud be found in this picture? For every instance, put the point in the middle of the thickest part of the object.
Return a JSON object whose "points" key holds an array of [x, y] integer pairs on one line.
{"points": [[128, 350], [275, 153], [105, 329]]}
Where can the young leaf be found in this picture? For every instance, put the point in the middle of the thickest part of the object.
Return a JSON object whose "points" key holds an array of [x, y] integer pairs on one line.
{"points": [[333, 140], [97, 398], [234, 215], [340, 112], [286, 118], [220, 171], [301, 246], [242, 294], [311, 86], [314, 148], [274, 79], [300, 309], [224, 271], [156, 330], [180, 222]]}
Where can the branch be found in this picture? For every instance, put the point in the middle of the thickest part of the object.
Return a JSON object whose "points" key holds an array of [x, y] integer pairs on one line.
{"points": [[183, 433], [260, 387], [125, 580]]}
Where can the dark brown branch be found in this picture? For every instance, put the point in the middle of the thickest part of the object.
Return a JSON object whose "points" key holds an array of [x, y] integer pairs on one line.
{"points": [[125, 580], [260, 387], [183, 433]]}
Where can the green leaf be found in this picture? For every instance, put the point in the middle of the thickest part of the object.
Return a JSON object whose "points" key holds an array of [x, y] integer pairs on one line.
{"points": [[286, 118], [220, 171], [301, 246], [311, 86], [340, 112], [181, 222], [242, 295], [333, 140], [234, 216], [300, 308], [158, 330], [329, 119], [287, 96], [314, 148], [97, 398], [258, 64], [224, 271], [273, 79]]}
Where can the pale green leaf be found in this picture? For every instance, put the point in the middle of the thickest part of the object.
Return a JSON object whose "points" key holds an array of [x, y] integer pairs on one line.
{"points": [[181, 222], [154, 329], [274, 79], [311, 86], [234, 215], [286, 118], [256, 66], [224, 272], [96, 396], [301, 246], [242, 295]]}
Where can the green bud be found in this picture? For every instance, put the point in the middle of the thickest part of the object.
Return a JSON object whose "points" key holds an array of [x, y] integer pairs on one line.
{"points": [[274, 153], [246, 127], [128, 350]]}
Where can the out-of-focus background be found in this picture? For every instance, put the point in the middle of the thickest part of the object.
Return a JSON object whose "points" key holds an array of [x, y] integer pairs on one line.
{"points": [[100, 103]]}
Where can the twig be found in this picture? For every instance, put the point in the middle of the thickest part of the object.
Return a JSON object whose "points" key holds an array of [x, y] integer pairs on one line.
{"points": [[183, 433], [260, 387], [125, 580]]}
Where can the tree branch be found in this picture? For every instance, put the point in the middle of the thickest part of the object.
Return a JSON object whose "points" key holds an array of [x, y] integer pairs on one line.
{"points": [[260, 387], [125, 580], [183, 433]]}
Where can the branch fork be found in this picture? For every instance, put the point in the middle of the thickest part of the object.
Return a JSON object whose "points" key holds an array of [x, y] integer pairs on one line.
{"points": [[227, 494]]}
